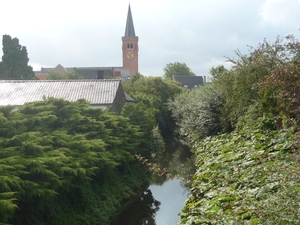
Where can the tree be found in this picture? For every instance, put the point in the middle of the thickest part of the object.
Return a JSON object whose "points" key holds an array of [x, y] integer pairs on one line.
{"points": [[135, 77], [217, 72], [177, 68], [197, 112], [280, 91], [237, 84], [57, 157], [15, 60], [63, 76], [153, 93]]}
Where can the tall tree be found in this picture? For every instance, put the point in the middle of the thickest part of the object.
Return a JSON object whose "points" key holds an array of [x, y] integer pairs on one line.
{"points": [[15, 60], [177, 68], [151, 94]]}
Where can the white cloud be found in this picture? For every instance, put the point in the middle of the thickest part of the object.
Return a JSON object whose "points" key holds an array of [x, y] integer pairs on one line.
{"points": [[196, 32], [281, 13]]}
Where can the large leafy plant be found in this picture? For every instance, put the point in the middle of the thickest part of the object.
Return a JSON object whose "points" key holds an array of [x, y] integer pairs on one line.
{"points": [[250, 176]]}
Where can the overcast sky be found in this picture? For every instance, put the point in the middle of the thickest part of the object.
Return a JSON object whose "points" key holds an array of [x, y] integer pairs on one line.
{"points": [[199, 33]]}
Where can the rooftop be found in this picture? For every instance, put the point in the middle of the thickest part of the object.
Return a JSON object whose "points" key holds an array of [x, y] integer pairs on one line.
{"points": [[19, 92]]}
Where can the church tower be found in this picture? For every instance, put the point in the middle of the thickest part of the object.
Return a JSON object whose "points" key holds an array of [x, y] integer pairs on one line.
{"points": [[130, 46]]}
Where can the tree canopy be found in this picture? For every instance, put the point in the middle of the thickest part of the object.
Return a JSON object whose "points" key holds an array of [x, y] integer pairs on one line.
{"points": [[150, 112], [177, 68], [60, 160], [152, 94], [14, 65]]}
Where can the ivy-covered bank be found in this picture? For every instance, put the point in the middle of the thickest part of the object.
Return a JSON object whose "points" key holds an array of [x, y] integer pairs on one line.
{"points": [[246, 177], [244, 129], [64, 163]]}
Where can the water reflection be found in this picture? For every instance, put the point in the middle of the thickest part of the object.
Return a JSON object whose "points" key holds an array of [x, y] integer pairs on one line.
{"points": [[141, 211], [179, 162], [172, 196], [160, 203]]}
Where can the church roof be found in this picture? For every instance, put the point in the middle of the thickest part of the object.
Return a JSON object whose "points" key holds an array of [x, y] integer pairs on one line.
{"points": [[129, 30], [60, 69]]}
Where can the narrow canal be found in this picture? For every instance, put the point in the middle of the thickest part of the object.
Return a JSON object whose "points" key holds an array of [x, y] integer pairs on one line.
{"points": [[172, 196], [162, 200]]}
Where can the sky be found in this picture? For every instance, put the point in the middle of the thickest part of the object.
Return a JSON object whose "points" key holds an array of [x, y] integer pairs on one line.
{"points": [[199, 33]]}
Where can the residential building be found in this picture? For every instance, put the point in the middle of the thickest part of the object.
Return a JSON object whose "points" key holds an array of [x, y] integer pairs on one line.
{"points": [[190, 81], [100, 93]]}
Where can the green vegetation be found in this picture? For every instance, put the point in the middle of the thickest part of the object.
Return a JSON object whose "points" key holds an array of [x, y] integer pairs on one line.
{"points": [[245, 177], [14, 65], [150, 111], [177, 68], [198, 112], [65, 163], [244, 129]]}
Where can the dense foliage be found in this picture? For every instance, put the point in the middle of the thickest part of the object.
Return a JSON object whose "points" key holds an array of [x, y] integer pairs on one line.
{"points": [[14, 65], [197, 112], [237, 84], [245, 132], [66, 163], [149, 111], [246, 177], [177, 68]]}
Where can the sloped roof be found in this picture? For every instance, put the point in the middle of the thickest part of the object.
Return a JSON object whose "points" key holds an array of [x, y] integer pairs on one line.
{"points": [[189, 81], [60, 69], [97, 92], [129, 30]]}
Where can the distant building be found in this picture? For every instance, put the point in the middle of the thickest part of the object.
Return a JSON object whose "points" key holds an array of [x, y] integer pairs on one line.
{"points": [[130, 57], [87, 72], [130, 46], [100, 93], [190, 81]]}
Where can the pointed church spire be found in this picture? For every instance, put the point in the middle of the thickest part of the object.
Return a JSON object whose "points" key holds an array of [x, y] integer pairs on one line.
{"points": [[129, 30]]}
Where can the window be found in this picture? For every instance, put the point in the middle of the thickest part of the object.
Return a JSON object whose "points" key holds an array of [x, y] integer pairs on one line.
{"points": [[129, 46]]}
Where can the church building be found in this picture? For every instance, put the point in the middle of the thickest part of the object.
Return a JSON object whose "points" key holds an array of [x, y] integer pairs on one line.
{"points": [[130, 46], [130, 55]]}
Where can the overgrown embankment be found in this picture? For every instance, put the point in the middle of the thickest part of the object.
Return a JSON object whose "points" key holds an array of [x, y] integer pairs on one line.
{"points": [[244, 127], [246, 177]]}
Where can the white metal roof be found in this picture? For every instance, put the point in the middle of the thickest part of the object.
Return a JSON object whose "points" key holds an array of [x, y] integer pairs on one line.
{"points": [[97, 92]]}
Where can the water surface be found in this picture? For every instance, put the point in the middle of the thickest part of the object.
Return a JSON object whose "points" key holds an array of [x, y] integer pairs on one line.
{"points": [[172, 196]]}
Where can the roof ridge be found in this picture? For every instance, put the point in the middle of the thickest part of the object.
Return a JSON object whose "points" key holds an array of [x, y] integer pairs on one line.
{"points": [[69, 80]]}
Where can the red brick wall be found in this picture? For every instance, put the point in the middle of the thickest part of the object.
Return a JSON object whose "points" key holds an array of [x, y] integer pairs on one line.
{"points": [[131, 63]]}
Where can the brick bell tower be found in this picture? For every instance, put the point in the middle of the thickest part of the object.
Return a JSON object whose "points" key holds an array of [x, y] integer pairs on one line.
{"points": [[130, 46]]}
